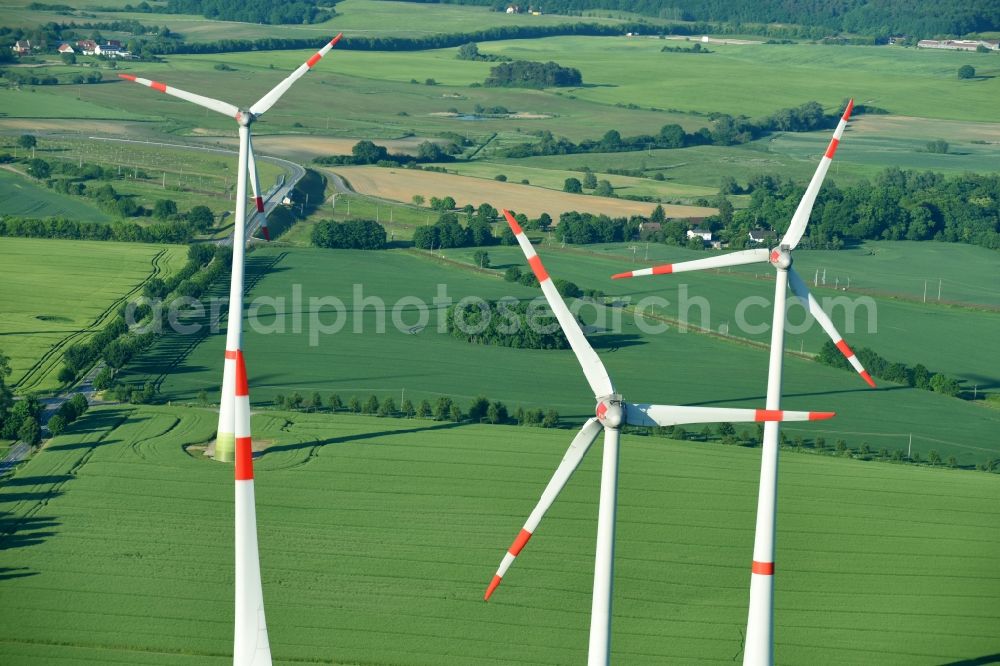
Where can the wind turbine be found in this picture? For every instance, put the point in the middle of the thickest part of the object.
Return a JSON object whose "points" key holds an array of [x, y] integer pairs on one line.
{"points": [[250, 644], [612, 411], [759, 644]]}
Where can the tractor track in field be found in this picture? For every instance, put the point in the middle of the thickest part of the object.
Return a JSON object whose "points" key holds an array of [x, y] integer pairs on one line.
{"points": [[34, 375]]}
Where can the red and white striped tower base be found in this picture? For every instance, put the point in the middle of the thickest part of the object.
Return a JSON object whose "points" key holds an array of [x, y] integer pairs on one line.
{"points": [[250, 645]]}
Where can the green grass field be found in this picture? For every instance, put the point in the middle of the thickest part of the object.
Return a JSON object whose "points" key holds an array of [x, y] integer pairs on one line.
{"points": [[25, 197], [58, 292], [117, 549], [647, 366]]}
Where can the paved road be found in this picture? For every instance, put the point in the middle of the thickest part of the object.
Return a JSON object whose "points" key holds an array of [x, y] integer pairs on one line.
{"points": [[272, 197]]}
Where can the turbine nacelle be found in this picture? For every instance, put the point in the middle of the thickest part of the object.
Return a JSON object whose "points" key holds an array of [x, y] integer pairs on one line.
{"points": [[245, 118], [781, 257], [611, 411]]}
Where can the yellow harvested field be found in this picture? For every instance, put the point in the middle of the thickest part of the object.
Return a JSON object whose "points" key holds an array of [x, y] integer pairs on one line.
{"points": [[403, 184]]}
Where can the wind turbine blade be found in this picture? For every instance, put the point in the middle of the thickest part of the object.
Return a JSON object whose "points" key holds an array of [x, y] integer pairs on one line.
{"points": [[800, 289], [797, 227], [577, 449], [590, 362], [734, 259], [268, 100], [224, 108], [669, 415], [255, 182]]}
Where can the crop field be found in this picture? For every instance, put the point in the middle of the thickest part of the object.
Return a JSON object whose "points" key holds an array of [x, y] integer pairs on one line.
{"points": [[300, 352], [23, 196], [553, 179], [901, 330], [402, 184], [117, 548], [895, 269], [57, 292]]}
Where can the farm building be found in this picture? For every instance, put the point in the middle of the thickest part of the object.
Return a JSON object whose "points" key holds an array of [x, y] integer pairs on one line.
{"points": [[959, 44], [66, 48], [22, 46], [87, 46]]}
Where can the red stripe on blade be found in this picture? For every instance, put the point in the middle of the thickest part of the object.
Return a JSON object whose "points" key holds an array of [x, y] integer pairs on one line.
{"points": [[333, 42], [665, 269], [312, 61], [267, 234], [619, 276], [536, 267], [519, 542], [156, 85], [821, 416], [493, 585], [763, 568], [260, 204], [514, 226], [241, 376], [769, 415], [244, 459], [832, 148], [847, 111], [127, 77], [231, 354], [868, 378], [844, 349]]}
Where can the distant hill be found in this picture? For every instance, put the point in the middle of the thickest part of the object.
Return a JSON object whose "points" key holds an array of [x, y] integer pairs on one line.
{"points": [[922, 18]]}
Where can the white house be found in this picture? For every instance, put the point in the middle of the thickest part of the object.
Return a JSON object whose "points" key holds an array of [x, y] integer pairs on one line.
{"points": [[703, 233], [757, 235], [87, 46], [21, 46], [66, 48]]}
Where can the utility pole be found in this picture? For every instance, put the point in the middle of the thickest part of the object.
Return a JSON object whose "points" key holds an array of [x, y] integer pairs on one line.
{"points": [[164, 180], [816, 279], [824, 277], [909, 448], [939, 289], [837, 285], [925, 291]]}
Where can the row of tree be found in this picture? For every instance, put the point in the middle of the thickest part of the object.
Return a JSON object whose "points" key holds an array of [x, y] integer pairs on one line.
{"points": [[917, 376], [481, 410], [726, 130], [368, 152], [814, 20], [67, 413], [116, 345]]}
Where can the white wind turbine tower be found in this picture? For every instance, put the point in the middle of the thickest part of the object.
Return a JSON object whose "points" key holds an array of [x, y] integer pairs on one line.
{"points": [[612, 411], [759, 645], [233, 441]]}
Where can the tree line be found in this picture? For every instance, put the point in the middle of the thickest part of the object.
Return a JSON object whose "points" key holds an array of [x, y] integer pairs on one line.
{"points": [[897, 205], [116, 345], [815, 20], [726, 130], [917, 376], [368, 152], [481, 410], [271, 12]]}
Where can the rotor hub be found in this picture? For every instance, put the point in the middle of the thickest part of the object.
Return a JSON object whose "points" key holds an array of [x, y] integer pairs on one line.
{"points": [[611, 412], [781, 257], [244, 118]]}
